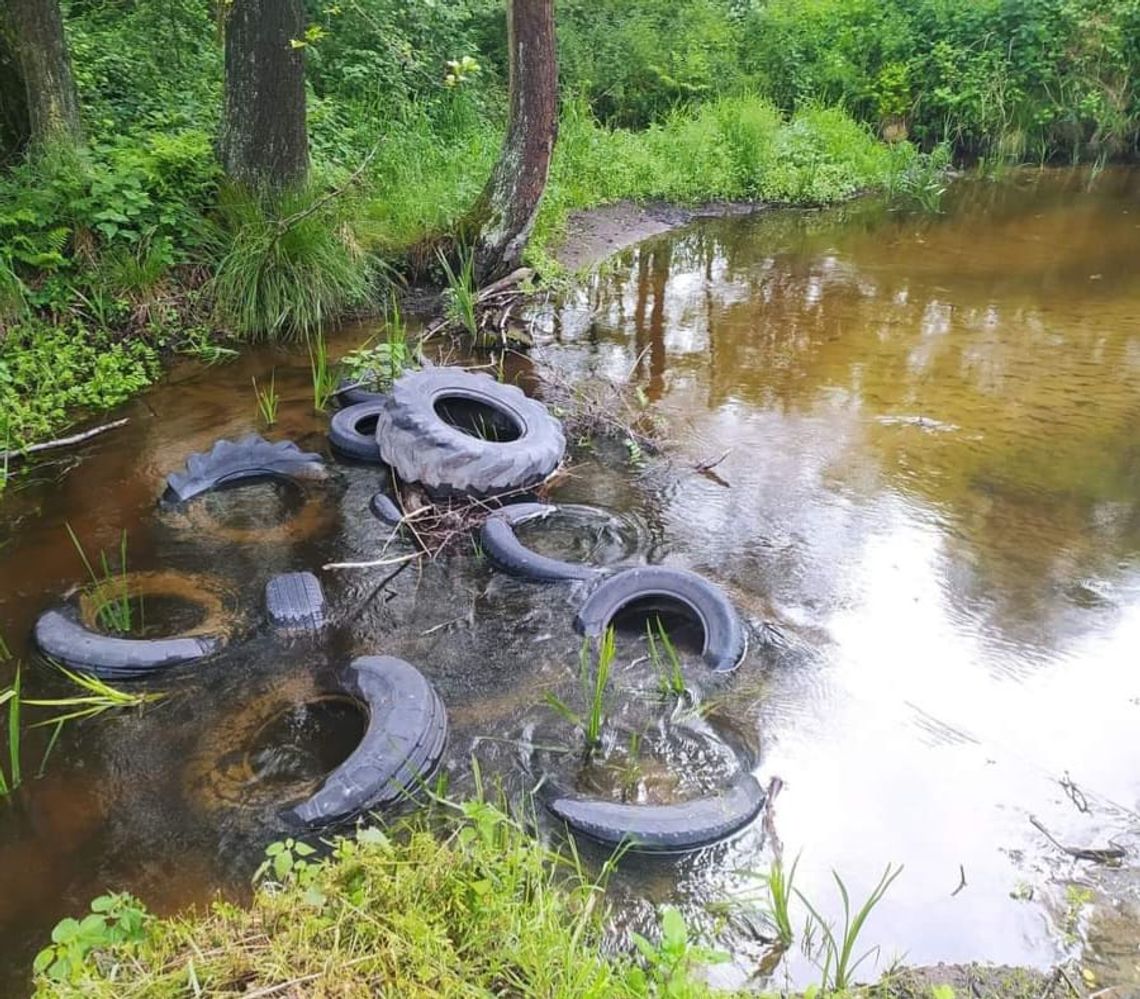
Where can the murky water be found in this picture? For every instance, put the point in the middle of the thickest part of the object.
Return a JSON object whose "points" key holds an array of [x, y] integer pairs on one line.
{"points": [[928, 509]]}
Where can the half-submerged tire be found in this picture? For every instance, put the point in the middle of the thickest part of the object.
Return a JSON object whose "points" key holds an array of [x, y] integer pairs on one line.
{"points": [[352, 431], [384, 509], [725, 641], [251, 457], [420, 434], [295, 601], [69, 635], [687, 825], [504, 548], [407, 729], [349, 392]]}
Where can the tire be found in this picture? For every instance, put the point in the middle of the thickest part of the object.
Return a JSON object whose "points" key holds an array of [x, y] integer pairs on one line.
{"points": [[384, 509], [687, 825], [504, 548], [69, 635], [250, 457], [725, 641], [352, 431], [424, 447], [407, 730], [295, 601], [349, 393]]}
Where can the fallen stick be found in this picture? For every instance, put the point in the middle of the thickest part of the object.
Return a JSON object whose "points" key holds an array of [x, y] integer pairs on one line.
{"points": [[1104, 855], [374, 564], [63, 441]]}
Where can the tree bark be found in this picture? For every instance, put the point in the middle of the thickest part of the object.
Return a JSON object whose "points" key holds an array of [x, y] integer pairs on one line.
{"points": [[264, 140], [503, 217], [14, 125], [41, 50]]}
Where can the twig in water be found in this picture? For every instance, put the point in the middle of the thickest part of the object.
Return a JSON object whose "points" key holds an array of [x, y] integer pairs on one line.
{"points": [[962, 882], [1103, 855], [374, 564], [63, 441], [774, 787], [708, 466], [1076, 795]]}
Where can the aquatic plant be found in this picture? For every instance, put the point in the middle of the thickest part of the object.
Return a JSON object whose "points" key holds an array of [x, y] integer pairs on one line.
{"points": [[663, 655], [321, 373], [462, 295], [11, 697], [267, 399], [113, 609], [839, 963], [380, 364], [780, 886], [593, 680]]}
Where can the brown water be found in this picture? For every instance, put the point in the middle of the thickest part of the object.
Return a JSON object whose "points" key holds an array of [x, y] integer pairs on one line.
{"points": [[929, 513]]}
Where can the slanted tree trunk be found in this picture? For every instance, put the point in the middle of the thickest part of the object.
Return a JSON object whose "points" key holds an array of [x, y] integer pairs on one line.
{"points": [[43, 62], [264, 141], [502, 218]]}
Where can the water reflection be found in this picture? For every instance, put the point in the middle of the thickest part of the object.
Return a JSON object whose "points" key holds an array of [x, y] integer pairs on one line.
{"points": [[933, 428]]}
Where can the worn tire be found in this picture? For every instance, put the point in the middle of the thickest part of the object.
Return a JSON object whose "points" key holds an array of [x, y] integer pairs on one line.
{"points": [[295, 601], [423, 447], [352, 431], [251, 457], [687, 825], [384, 509], [504, 548], [348, 393], [725, 641], [407, 729], [68, 634]]}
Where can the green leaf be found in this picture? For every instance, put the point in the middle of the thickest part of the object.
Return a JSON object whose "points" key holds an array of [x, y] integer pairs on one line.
{"points": [[282, 865], [303, 850], [673, 930], [65, 930]]}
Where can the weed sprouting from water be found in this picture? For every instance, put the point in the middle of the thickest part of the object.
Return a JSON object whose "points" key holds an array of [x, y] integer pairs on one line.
{"points": [[780, 888], [323, 379], [594, 680], [377, 365], [462, 295], [267, 399], [113, 610], [11, 697], [839, 963], [665, 660]]}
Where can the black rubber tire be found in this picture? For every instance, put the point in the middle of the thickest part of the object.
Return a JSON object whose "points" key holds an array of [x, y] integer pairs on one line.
{"points": [[295, 601], [422, 447], [349, 393], [407, 730], [250, 457], [688, 825], [60, 635], [384, 509], [350, 432], [504, 548], [725, 640]]}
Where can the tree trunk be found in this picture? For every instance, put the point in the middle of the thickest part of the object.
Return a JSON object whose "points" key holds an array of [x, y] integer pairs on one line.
{"points": [[14, 126], [264, 141], [504, 214], [41, 49]]}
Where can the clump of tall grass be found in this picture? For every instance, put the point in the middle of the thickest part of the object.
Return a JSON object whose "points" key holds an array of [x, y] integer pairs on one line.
{"points": [[462, 294], [320, 371], [267, 399], [663, 654], [287, 265]]}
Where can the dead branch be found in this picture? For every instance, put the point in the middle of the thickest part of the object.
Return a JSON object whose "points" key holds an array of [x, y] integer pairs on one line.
{"points": [[63, 441], [1102, 855], [962, 882]]}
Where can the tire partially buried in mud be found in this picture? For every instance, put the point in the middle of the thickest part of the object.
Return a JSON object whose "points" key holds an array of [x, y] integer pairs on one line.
{"points": [[673, 828], [725, 642], [401, 747], [71, 634], [458, 432]]}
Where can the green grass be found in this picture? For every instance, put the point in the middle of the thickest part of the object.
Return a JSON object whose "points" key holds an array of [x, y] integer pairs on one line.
{"points": [[11, 697], [463, 904], [286, 267], [114, 611], [593, 679], [461, 291], [663, 655], [267, 399], [321, 373]]}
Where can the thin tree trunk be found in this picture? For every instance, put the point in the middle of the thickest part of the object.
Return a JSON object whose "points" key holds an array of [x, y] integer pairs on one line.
{"points": [[264, 141], [41, 49], [504, 214]]}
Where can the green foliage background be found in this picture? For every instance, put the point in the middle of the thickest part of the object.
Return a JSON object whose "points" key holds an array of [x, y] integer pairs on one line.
{"points": [[133, 238]]}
